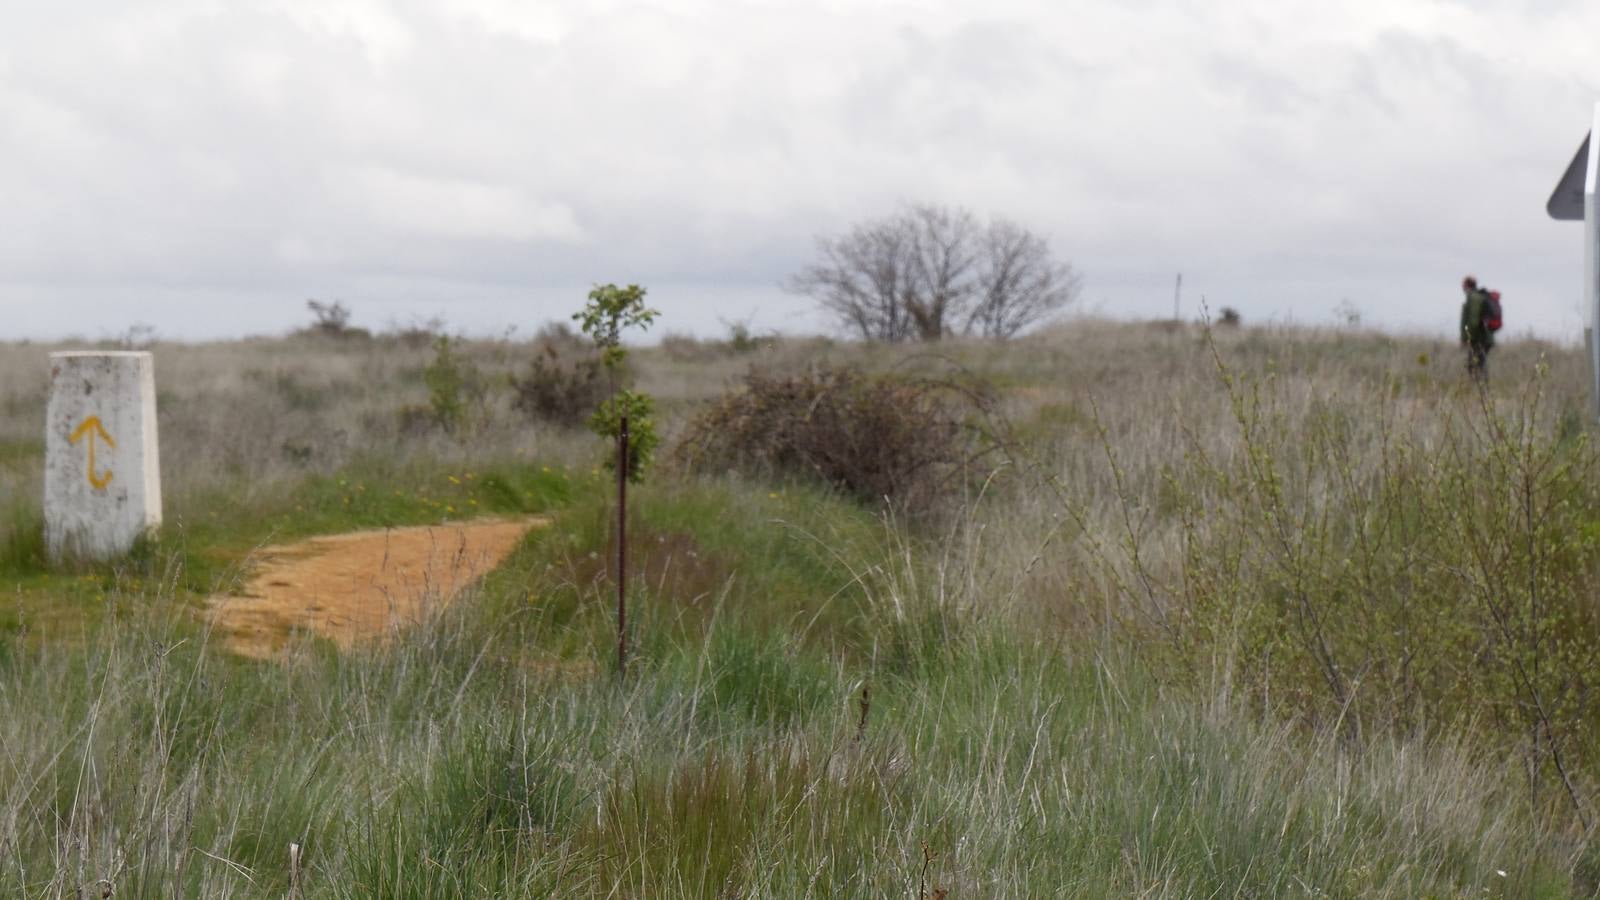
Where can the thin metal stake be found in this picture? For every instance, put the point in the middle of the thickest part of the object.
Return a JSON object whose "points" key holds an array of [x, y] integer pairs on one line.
{"points": [[622, 550]]}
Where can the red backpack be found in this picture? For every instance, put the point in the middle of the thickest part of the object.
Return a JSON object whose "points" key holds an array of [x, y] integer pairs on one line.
{"points": [[1492, 312]]}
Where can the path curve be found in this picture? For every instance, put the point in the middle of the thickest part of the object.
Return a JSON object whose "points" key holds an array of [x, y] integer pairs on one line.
{"points": [[362, 586]]}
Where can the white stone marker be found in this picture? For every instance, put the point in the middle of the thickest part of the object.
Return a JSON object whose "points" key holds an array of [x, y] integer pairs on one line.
{"points": [[102, 469]]}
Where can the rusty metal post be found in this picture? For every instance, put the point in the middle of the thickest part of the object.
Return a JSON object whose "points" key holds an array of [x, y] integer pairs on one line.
{"points": [[622, 549]]}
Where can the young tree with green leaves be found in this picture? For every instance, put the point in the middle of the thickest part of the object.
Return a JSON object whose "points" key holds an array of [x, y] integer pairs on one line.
{"points": [[610, 310], [624, 417]]}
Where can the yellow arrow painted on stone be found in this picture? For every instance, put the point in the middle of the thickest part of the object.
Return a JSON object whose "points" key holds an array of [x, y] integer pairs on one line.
{"points": [[91, 427]]}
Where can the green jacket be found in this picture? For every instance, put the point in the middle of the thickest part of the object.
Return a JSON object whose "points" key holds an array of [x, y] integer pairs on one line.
{"points": [[1473, 331]]}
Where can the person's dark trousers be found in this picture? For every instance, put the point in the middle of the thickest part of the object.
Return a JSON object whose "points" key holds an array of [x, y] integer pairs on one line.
{"points": [[1478, 361]]}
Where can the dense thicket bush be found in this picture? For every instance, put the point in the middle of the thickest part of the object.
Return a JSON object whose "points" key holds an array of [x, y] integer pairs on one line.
{"points": [[562, 385], [879, 438]]}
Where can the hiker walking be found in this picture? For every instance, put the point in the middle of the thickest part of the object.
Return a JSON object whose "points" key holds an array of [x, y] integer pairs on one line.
{"points": [[1480, 319]]}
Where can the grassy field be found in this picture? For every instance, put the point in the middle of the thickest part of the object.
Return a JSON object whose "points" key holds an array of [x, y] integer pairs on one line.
{"points": [[1265, 612]]}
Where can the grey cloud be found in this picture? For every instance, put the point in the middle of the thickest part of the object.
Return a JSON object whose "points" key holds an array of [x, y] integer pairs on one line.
{"points": [[480, 149]]}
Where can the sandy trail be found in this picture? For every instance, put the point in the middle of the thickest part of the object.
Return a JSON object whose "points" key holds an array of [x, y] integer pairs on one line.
{"points": [[361, 586]]}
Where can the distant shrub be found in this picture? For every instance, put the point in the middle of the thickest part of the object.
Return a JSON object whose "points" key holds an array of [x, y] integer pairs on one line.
{"points": [[1347, 313], [879, 438], [333, 320], [455, 385], [138, 336], [561, 336], [741, 339], [563, 388], [416, 334], [688, 348], [1228, 317]]}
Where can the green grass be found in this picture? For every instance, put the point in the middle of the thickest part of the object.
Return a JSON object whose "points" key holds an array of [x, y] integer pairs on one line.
{"points": [[691, 551], [820, 703], [21, 453], [22, 539], [425, 771], [737, 758]]}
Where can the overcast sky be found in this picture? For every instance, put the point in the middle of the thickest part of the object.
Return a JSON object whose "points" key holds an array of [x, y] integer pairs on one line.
{"points": [[204, 166]]}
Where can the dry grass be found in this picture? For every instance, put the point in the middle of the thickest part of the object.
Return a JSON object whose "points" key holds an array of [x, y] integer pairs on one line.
{"points": [[1017, 742], [249, 416], [254, 413]]}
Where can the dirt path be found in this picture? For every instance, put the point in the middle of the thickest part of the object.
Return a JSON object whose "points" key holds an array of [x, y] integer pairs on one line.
{"points": [[361, 586]]}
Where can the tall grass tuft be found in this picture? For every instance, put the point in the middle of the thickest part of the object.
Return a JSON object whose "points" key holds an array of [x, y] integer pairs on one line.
{"points": [[1374, 563]]}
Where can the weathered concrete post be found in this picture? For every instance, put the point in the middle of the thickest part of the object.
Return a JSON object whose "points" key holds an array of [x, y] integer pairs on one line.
{"points": [[102, 473]]}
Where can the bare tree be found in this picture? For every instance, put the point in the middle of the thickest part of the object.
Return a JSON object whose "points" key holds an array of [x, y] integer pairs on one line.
{"points": [[1019, 281], [943, 264], [928, 272], [862, 278]]}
